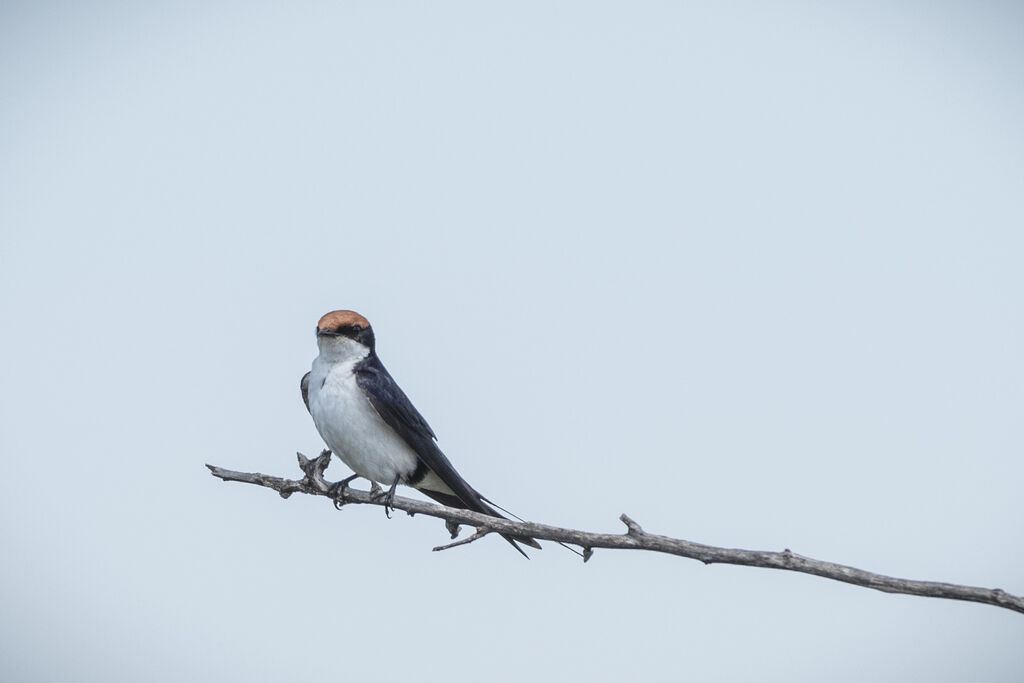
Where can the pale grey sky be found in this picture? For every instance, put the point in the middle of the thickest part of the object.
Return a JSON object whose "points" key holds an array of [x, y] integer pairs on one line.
{"points": [[748, 272]]}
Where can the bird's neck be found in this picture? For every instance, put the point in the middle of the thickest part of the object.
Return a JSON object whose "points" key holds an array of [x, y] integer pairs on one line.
{"points": [[342, 350]]}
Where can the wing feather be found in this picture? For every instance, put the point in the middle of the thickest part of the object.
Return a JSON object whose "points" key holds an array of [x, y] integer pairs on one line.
{"points": [[395, 408], [304, 388]]}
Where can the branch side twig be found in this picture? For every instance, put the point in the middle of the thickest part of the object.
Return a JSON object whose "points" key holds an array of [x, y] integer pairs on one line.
{"points": [[635, 538], [480, 533]]}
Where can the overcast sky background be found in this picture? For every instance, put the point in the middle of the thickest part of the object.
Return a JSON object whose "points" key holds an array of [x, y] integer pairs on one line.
{"points": [[750, 273]]}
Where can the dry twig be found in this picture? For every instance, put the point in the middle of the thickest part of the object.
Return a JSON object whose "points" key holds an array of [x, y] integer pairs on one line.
{"points": [[635, 538]]}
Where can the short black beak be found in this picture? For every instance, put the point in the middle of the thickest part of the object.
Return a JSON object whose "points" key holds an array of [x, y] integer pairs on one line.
{"points": [[326, 333]]}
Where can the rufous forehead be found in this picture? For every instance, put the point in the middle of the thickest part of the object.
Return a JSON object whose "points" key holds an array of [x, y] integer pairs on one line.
{"points": [[336, 319]]}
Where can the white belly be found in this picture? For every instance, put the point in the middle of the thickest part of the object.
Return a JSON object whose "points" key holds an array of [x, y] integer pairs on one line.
{"points": [[352, 428]]}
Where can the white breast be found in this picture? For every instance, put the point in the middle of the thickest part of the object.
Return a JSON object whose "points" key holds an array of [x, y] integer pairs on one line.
{"points": [[352, 428]]}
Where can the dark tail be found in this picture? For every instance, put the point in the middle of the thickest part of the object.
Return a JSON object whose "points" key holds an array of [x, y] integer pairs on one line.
{"points": [[454, 501]]}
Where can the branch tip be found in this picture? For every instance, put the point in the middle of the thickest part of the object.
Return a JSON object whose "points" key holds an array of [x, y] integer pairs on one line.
{"points": [[634, 529], [324, 458]]}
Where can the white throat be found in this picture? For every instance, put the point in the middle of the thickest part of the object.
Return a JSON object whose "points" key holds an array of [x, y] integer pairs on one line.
{"points": [[341, 349]]}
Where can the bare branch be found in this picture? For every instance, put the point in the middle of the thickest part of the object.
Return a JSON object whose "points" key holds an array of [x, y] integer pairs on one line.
{"points": [[635, 538]]}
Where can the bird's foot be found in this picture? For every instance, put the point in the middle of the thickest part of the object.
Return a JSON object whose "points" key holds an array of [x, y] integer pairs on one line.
{"points": [[337, 490], [388, 497]]}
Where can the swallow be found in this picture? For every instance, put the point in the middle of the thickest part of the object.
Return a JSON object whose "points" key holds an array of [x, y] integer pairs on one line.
{"points": [[366, 419]]}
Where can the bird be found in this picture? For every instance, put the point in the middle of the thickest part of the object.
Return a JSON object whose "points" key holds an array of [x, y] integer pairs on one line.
{"points": [[366, 419]]}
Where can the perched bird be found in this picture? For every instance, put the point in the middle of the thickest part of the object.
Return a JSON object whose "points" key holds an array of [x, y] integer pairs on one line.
{"points": [[367, 421]]}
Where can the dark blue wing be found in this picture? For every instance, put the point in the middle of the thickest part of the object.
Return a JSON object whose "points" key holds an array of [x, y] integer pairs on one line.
{"points": [[395, 408], [304, 388]]}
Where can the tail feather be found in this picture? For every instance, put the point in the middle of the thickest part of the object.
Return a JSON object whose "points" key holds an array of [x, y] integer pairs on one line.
{"points": [[453, 501]]}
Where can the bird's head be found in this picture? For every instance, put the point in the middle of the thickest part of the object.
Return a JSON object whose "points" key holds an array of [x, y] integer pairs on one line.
{"points": [[344, 335]]}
